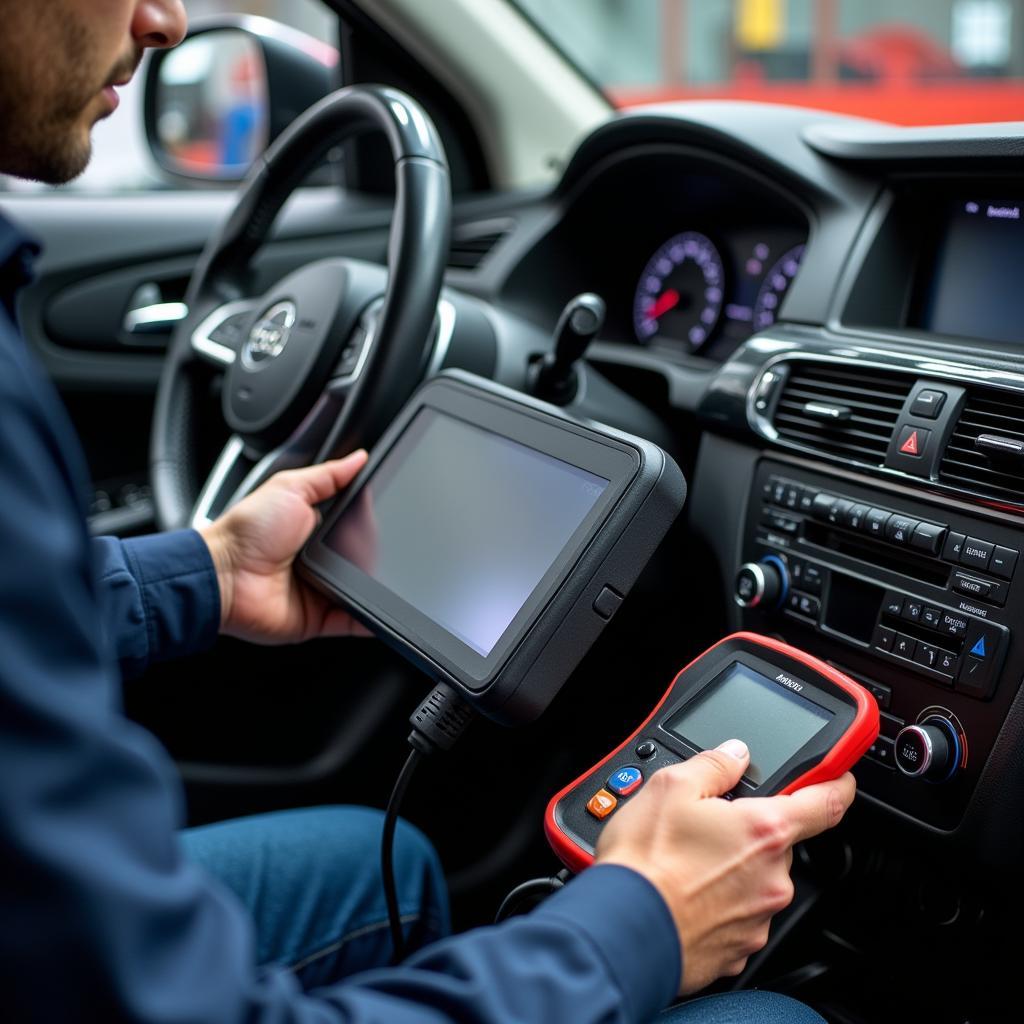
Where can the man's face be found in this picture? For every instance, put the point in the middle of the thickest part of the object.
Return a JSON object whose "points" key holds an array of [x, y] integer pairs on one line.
{"points": [[59, 63]]}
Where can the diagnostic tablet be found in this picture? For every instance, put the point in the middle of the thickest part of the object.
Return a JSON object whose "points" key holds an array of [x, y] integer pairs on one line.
{"points": [[490, 538], [803, 721]]}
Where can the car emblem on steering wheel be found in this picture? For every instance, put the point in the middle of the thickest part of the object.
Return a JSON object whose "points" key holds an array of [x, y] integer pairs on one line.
{"points": [[269, 336]]}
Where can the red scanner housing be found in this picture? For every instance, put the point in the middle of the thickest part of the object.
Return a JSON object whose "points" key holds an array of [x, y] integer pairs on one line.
{"points": [[849, 712]]}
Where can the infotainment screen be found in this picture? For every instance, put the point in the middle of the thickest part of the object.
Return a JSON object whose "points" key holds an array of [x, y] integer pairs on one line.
{"points": [[490, 538], [974, 287], [774, 721], [491, 516]]}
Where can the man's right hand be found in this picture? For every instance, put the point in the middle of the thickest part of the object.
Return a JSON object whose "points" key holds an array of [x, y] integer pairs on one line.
{"points": [[721, 866]]}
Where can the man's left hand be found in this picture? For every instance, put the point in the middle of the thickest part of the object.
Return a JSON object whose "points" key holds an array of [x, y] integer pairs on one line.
{"points": [[254, 546]]}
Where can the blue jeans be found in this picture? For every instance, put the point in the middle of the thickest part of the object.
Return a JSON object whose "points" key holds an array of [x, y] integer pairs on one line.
{"points": [[311, 881]]}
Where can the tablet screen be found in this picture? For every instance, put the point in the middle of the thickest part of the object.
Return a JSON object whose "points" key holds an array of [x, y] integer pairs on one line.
{"points": [[462, 523]]}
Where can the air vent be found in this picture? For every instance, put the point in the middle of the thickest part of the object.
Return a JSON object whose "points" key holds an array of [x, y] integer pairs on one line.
{"points": [[848, 412], [472, 243], [998, 418]]}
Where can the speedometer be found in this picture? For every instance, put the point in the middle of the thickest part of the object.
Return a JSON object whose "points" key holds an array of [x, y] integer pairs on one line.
{"points": [[774, 287], [680, 291]]}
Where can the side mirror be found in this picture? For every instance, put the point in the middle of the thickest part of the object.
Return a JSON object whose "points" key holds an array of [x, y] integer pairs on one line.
{"points": [[215, 103]]}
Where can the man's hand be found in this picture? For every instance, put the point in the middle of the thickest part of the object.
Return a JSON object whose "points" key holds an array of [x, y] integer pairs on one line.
{"points": [[722, 867], [254, 546]]}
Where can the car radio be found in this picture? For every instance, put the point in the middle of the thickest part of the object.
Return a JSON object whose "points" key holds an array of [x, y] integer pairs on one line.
{"points": [[803, 721]]}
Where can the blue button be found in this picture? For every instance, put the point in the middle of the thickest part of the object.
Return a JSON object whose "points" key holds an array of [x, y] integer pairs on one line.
{"points": [[979, 648], [625, 780]]}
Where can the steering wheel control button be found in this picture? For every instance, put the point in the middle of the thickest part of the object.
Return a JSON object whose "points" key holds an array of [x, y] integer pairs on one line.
{"points": [[601, 804], [928, 404], [606, 604], [646, 749], [625, 781], [927, 751]]}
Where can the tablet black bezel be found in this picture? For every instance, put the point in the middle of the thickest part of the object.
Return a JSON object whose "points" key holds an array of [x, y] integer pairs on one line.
{"points": [[549, 433]]}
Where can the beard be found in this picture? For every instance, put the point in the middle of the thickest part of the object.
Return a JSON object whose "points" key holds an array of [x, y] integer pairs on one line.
{"points": [[49, 96]]}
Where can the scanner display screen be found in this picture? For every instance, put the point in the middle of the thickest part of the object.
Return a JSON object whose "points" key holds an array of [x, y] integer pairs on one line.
{"points": [[462, 523], [772, 720]]}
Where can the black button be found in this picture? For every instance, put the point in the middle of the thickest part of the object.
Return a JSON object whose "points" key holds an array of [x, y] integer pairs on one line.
{"points": [[904, 646], [646, 749], [823, 505], [809, 605], [926, 654], [855, 516], [913, 441], [912, 611], [807, 500], [880, 692], [882, 750], [900, 529], [793, 601], [946, 663], [606, 604], [875, 522], [792, 496], [969, 585], [1004, 561], [778, 491], [927, 404], [837, 513], [894, 604], [884, 638], [812, 579], [975, 677], [976, 553], [931, 617], [954, 546], [953, 624], [928, 537]]}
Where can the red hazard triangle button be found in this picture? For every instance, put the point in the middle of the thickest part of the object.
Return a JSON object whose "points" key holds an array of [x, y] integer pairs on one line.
{"points": [[913, 441]]}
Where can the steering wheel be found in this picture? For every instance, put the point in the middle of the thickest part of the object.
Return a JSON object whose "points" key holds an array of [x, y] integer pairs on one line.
{"points": [[322, 361]]}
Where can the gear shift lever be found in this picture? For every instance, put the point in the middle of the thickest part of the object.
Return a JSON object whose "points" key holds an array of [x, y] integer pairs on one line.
{"points": [[581, 320]]}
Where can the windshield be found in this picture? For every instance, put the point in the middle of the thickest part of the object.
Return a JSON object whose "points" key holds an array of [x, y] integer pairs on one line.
{"points": [[906, 61]]}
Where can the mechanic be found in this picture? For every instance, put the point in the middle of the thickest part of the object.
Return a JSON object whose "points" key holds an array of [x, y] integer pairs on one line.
{"points": [[111, 913]]}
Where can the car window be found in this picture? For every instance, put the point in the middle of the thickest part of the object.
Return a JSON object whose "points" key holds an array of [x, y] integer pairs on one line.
{"points": [[121, 159], [907, 61]]}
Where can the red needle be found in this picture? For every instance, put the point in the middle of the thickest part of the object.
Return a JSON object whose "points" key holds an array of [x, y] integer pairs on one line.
{"points": [[667, 300]]}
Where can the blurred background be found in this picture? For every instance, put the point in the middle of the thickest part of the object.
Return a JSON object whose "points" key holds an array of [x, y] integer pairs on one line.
{"points": [[912, 62]]}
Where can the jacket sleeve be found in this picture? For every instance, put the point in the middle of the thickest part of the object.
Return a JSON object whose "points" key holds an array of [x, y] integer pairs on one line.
{"points": [[158, 597], [103, 918]]}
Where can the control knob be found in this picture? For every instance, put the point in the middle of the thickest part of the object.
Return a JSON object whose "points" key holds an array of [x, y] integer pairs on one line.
{"points": [[762, 583], [928, 750]]}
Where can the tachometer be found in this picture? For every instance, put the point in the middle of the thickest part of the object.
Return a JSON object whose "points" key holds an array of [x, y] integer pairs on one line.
{"points": [[680, 291], [774, 286]]}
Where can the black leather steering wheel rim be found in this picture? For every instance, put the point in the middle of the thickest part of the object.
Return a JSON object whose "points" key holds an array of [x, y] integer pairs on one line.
{"points": [[417, 255]]}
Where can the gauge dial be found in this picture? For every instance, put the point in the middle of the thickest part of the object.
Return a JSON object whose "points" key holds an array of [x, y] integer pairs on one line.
{"points": [[774, 286], [680, 291]]}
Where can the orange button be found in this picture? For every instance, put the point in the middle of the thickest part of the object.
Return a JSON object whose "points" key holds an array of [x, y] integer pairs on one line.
{"points": [[601, 804]]}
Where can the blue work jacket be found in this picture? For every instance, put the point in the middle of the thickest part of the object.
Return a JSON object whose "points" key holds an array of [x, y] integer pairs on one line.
{"points": [[101, 918]]}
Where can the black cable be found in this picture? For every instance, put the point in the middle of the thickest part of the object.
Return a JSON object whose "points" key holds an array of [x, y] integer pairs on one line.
{"points": [[532, 892], [387, 854], [436, 724]]}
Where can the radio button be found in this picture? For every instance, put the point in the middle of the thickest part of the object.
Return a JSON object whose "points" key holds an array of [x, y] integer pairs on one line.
{"points": [[928, 537], [976, 553], [884, 638], [954, 546], [912, 611], [954, 625], [855, 516], [875, 522], [900, 529], [969, 585], [904, 646], [1004, 561]]}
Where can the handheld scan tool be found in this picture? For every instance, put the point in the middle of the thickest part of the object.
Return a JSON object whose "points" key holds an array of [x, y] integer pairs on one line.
{"points": [[490, 538], [803, 721]]}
